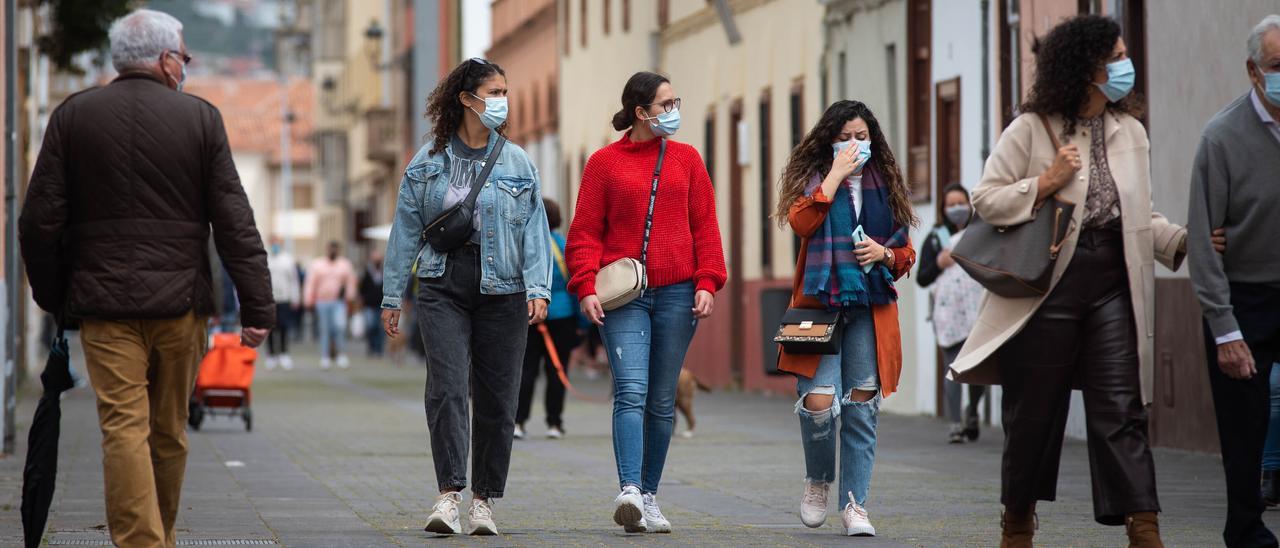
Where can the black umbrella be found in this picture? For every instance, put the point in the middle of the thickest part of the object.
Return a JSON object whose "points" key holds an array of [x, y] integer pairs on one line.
{"points": [[41, 470]]}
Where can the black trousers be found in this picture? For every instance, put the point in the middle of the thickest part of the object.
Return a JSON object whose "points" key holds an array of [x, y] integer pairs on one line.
{"points": [[476, 342], [564, 334], [278, 338], [1243, 409], [1083, 335]]}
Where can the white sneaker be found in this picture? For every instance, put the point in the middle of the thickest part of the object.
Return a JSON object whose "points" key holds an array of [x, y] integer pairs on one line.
{"points": [[519, 432], [326, 363], [270, 362], [856, 522], [481, 518], [444, 515], [629, 510], [555, 433], [286, 363], [654, 521], [813, 506], [343, 361]]}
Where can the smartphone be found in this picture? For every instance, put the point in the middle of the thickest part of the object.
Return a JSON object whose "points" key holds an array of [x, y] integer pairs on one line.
{"points": [[858, 236]]}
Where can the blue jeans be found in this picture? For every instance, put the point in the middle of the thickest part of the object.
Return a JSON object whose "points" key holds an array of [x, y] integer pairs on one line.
{"points": [[1271, 451], [331, 318], [854, 368], [373, 333], [647, 339]]}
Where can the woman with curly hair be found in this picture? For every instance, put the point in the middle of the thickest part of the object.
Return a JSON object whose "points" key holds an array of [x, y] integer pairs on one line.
{"points": [[1093, 330], [843, 180], [476, 296]]}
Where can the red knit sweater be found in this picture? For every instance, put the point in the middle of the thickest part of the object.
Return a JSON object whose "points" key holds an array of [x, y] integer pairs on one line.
{"points": [[608, 222]]}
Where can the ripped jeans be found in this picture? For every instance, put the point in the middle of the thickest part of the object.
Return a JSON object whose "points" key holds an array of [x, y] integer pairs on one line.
{"points": [[854, 368], [647, 339]]}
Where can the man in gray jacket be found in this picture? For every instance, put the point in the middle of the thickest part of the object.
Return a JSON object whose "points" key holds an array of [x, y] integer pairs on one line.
{"points": [[1235, 185]]}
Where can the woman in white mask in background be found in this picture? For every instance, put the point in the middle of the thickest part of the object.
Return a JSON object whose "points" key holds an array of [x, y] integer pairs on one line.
{"points": [[953, 304]]}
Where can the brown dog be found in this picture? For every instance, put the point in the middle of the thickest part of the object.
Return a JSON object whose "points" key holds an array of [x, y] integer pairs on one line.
{"points": [[686, 388]]}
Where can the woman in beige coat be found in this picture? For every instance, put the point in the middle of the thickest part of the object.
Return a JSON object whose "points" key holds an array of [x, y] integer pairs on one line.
{"points": [[1094, 329]]}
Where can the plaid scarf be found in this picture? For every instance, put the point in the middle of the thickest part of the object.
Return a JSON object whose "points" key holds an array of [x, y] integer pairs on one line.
{"points": [[831, 272]]}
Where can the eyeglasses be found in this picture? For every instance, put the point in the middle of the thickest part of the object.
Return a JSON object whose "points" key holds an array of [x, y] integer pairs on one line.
{"points": [[186, 57], [667, 106]]}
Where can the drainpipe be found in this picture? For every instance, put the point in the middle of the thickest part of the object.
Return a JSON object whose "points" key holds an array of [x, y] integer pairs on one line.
{"points": [[12, 268], [986, 80]]}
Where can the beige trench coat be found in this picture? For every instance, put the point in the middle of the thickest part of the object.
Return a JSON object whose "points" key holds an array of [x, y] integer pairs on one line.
{"points": [[1006, 196]]}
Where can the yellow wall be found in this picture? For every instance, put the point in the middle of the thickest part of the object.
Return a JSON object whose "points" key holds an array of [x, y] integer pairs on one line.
{"points": [[782, 44], [591, 78]]}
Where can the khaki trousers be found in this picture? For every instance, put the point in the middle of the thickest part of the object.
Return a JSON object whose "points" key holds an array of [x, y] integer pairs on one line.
{"points": [[143, 372]]}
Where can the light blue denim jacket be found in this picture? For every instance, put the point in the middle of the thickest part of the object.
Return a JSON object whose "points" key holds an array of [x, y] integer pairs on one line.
{"points": [[514, 253]]}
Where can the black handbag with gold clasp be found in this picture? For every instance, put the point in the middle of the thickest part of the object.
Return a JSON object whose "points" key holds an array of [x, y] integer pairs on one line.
{"points": [[810, 331]]}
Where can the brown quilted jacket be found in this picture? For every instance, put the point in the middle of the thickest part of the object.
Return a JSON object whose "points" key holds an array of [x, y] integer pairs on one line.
{"points": [[131, 178]]}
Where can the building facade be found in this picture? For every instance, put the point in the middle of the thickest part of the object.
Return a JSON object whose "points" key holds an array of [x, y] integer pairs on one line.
{"points": [[524, 45]]}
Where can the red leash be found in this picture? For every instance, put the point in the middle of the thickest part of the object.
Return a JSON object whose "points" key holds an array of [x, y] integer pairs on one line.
{"points": [[555, 360]]}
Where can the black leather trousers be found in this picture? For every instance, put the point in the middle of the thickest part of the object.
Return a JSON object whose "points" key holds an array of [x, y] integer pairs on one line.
{"points": [[1082, 336]]}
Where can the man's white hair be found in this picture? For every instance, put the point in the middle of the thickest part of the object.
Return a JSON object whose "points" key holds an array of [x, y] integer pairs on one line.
{"points": [[138, 39], [1268, 23]]}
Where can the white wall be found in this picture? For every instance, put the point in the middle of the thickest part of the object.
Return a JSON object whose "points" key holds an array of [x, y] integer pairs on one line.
{"points": [[1187, 88], [863, 36]]}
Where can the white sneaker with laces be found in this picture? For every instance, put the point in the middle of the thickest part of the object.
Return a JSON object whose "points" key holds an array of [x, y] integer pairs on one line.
{"points": [[555, 433], [813, 505], [481, 518], [856, 522], [286, 363], [519, 432], [654, 521], [270, 362], [629, 510], [343, 362], [326, 363], [444, 515]]}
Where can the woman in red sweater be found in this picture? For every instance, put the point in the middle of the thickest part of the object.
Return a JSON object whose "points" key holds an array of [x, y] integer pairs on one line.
{"points": [[646, 338]]}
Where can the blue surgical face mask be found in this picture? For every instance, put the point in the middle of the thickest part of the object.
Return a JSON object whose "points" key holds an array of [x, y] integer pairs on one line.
{"points": [[665, 124], [1271, 87], [1120, 77], [495, 111], [864, 149], [183, 79], [275, 249]]}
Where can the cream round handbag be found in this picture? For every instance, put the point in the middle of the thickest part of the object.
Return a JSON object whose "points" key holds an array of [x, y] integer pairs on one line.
{"points": [[624, 280]]}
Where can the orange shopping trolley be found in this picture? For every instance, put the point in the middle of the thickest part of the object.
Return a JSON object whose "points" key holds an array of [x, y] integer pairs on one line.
{"points": [[222, 384]]}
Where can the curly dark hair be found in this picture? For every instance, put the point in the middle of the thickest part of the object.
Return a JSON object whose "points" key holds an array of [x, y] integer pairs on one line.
{"points": [[1066, 60], [445, 109], [814, 155]]}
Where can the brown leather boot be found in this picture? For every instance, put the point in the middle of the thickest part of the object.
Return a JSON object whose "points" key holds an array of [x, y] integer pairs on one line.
{"points": [[1143, 529], [1017, 528]]}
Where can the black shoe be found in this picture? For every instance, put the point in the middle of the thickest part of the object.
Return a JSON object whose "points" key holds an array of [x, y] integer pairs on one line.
{"points": [[971, 430], [1271, 488]]}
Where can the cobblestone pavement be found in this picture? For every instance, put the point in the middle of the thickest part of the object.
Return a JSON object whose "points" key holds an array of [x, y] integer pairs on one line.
{"points": [[341, 458]]}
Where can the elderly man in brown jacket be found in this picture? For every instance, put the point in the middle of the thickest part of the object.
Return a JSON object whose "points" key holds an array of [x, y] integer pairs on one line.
{"points": [[130, 180]]}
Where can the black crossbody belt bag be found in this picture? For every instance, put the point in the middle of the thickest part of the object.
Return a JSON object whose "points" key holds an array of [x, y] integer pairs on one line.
{"points": [[452, 228]]}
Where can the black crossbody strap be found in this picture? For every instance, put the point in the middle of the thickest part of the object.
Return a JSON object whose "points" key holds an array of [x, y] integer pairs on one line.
{"points": [[648, 219], [484, 172]]}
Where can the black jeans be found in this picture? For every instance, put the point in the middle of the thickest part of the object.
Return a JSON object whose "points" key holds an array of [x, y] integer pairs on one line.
{"points": [[1083, 335], [278, 338], [1243, 409], [475, 343], [564, 335]]}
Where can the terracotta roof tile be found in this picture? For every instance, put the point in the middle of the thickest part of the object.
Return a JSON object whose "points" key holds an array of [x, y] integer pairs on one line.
{"points": [[251, 111]]}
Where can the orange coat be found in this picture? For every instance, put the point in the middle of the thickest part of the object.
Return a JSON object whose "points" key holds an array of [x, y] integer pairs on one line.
{"points": [[806, 216]]}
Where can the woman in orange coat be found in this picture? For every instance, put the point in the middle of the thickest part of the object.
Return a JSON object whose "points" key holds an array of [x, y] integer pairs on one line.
{"points": [[843, 180]]}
